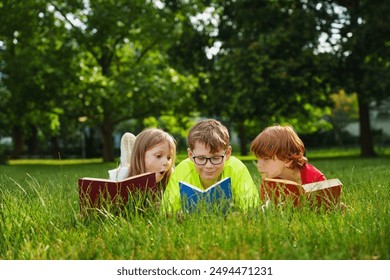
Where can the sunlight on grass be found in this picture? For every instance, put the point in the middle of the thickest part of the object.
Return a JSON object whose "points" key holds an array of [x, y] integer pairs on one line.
{"points": [[53, 161], [328, 153], [40, 219]]}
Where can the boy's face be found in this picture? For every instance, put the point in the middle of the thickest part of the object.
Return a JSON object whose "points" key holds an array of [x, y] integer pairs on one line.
{"points": [[271, 167], [209, 171]]}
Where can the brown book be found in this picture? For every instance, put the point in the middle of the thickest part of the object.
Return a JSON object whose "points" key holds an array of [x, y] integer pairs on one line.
{"points": [[323, 193], [98, 192]]}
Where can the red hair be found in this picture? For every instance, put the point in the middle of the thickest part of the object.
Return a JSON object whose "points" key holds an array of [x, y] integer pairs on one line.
{"points": [[280, 141]]}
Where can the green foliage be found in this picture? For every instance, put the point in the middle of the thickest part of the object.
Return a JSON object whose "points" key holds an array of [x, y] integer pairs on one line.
{"points": [[39, 219], [36, 68], [4, 153], [344, 111], [107, 66], [266, 70], [124, 72], [177, 127], [360, 42], [125, 61]]}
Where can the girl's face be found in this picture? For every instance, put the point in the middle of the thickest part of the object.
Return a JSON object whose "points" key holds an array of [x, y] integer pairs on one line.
{"points": [[209, 172], [159, 160], [271, 167]]}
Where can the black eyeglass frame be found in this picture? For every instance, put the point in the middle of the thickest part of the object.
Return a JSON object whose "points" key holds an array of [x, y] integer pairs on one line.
{"points": [[208, 158]]}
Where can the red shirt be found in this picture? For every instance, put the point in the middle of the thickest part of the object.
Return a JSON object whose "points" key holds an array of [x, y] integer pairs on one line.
{"points": [[310, 174]]}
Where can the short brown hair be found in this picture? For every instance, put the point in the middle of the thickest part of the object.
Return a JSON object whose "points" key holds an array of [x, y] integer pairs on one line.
{"points": [[280, 141], [211, 133]]}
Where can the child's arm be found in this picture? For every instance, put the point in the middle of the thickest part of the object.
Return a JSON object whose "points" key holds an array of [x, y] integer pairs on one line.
{"points": [[171, 199]]}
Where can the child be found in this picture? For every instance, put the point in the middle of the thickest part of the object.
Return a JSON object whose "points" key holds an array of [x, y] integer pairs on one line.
{"points": [[154, 150], [280, 154], [210, 160]]}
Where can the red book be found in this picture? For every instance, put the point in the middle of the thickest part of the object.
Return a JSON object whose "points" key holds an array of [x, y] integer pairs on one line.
{"points": [[98, 192], [323, 193]]}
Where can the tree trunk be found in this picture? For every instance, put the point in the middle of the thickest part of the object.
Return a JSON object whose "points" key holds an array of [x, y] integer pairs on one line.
{"points": [[32, 142], [55, 147], [366, 145], [91, 150], [18, 141], [108, 141]]}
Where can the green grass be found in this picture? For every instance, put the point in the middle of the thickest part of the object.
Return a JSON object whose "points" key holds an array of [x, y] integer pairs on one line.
{"points": [[39, 219]]}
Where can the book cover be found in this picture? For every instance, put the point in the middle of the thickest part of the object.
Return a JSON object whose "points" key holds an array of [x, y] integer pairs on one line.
{"points": [[98, 192], [323, 193], [217, 196]]}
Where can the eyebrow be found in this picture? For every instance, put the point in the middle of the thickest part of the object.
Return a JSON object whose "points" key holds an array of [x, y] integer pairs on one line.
{"points": [[217, 154]]}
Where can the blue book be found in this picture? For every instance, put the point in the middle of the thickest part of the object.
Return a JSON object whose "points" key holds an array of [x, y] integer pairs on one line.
{"points": [[216, 197]]}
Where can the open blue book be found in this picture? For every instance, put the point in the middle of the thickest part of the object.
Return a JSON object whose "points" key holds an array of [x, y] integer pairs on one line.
{"points": [[216, 197]]}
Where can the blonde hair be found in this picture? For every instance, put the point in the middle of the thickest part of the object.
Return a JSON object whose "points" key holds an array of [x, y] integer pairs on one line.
{"points": [[280, 141], [145, 141], [211, 133]]}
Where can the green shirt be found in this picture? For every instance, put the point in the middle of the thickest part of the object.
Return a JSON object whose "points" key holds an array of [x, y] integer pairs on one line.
{"points": [[245, 192]]}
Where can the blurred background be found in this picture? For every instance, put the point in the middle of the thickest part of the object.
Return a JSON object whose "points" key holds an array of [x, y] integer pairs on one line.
{"points": [[76, 74]]}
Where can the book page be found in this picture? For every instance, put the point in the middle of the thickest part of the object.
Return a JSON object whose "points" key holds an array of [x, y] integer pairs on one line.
{"points": [[322, 185], [281, 181], [114, 181]]}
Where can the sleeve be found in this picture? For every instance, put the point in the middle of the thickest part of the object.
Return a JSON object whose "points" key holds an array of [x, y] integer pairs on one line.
{"points": [[171, 197], [245, 191], [310, 174], [119, 173]]}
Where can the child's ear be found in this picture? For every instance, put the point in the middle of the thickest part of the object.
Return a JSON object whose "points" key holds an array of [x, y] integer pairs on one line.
{"points": [[189, 153], [288, 163], [228, 152]]}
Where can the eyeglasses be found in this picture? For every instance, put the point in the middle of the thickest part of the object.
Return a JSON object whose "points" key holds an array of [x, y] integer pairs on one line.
{"points": [[202, 160]]}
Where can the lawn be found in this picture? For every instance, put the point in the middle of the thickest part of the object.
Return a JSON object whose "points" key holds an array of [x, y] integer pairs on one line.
{"points": [[40, 219]]}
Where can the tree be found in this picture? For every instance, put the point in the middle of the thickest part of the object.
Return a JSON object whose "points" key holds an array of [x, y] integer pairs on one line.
{"points": [[363, 48], [36, 66], [266, 69], [124, 73]]}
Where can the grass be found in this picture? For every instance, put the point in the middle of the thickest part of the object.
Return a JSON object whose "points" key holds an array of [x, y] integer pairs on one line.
{"points": [[39, 219]]}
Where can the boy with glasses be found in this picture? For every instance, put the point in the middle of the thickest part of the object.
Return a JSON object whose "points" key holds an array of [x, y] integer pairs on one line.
{"points": [[210, 160]]}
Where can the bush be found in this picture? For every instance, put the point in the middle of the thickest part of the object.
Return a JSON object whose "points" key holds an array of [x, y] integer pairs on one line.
{"points": [[5, 151]]}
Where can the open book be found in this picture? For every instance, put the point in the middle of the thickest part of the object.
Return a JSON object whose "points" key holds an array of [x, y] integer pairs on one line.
{"points": [[98, 192], [218, 196], [324, 193]]}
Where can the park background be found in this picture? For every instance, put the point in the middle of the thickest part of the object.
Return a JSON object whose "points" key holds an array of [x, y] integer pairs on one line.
{"points": [[76, 74]]}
